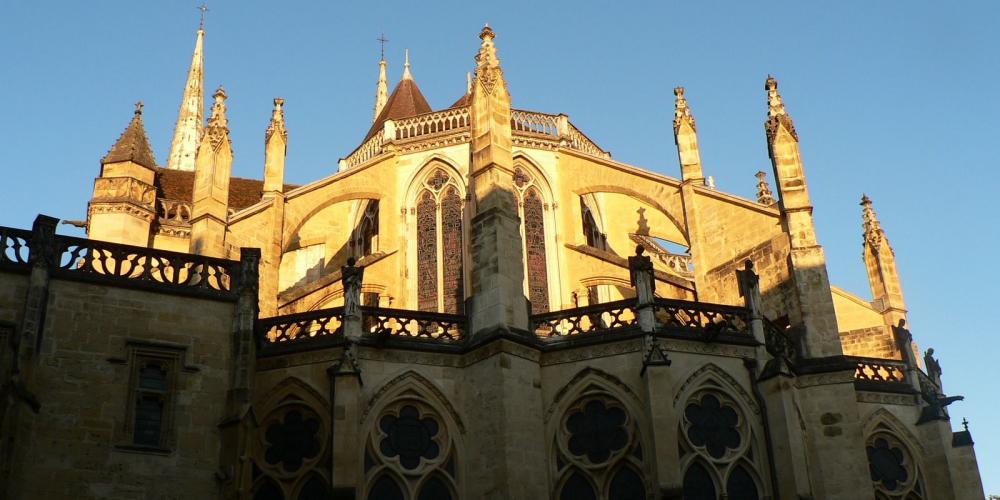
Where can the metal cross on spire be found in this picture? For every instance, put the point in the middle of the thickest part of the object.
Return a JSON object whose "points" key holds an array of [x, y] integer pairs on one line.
{"points": [[203, 8], [382, 39]]}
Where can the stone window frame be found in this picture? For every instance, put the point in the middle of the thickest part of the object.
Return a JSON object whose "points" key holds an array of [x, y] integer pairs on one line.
{"points": [[745, 456], [172, 359], [914, 486], [526, 183], [437, 178]]}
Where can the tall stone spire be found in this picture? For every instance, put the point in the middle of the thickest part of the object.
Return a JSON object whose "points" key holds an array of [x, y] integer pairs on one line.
{"points": [[210, 204], [406, 66], [275, 147], [880, 263], [813, 314], [187, 131], [381, 90], [764, 196], [686, 138]]}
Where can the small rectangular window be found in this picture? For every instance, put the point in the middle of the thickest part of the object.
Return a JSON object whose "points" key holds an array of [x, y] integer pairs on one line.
{"points": [[152, 386]]}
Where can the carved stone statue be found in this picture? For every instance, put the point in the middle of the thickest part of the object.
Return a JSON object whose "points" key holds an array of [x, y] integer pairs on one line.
{"points": [[932, 366], [351, 278], [904, 342], [641, 275]]}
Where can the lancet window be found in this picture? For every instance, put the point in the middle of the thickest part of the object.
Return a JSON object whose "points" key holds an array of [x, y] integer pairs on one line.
{"points": [[291, 454], [894, 472], [717, 443], [439, 237], [364, 239], [591, 230], [532, 213], [599, 455], [410, 455]]}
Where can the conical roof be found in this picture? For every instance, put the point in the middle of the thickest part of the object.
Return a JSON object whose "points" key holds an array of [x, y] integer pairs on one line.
{"points": [[132, 145], [405, 100]]}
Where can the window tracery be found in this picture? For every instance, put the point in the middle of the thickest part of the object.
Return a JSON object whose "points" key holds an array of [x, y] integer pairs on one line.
{"points": [[291, 453], [366, 230], [591, 230], [893, 469], [410, 455], [598, 452], [532, 213], [718, 448], [440, 250]]}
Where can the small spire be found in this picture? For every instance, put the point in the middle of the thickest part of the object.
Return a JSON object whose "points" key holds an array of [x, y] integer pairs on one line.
{"points": [[872, 227], [277, 123], [406, 66], [468, 82], [217, 130], [776, 114], [133, 144], [487, 55], [764, 196], [381, 90], [203, 8], [710, 182], [682, 113]]}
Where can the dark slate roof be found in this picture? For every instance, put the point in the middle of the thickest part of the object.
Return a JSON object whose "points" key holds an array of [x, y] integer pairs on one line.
{"points": [[132, 145], [179, 185], [405, 100]]}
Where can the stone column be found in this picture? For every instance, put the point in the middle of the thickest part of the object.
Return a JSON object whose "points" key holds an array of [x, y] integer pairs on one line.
{"points": [[346, 435]]}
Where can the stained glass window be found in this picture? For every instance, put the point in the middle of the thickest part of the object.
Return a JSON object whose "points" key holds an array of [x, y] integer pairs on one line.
{"points": [[427, 265], [741, 485], [626, 485], [268, 490], [712, 425], [412, 441], [385, 489], [451, 241], [892, 469], [434, 489], [315, 488], [577, 488], [534, 246], [698, 483]]}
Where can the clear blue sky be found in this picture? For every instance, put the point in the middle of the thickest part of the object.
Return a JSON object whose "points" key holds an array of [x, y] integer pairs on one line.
{"points": [[896, 99]]}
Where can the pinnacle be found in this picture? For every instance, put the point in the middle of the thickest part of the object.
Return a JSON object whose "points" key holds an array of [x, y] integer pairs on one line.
{"points": [[133, 144], [682, 113]]}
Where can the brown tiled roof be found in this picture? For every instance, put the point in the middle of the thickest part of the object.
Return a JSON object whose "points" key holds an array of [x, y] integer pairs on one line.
{"points": [[405, 100], [465, 100], [132, 145], [179, 185]]}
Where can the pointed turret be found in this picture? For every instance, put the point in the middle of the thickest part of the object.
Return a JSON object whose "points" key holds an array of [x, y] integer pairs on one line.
{"points": [[813, 314], [123, 204], [497, 274], [188, 130], [764, 196], [381, 90], [275, 148], [880, 263], [213, 166], [686, 138], [404, 101]]}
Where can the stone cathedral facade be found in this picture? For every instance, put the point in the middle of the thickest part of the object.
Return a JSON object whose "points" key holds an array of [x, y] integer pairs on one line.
{"points": [[478, 302]]}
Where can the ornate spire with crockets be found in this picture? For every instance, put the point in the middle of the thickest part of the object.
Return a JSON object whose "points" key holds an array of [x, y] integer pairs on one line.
{"points": [[686, 139], [872, 228], [218, 126], [406, 66], [764, 196], [188, 129], [682, 113], [776, 114], [382, 87]]}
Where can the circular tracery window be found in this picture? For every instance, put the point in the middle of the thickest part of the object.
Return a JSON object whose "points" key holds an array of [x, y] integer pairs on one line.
{"points": [[891, 466], [409, 455], [717, 451]]}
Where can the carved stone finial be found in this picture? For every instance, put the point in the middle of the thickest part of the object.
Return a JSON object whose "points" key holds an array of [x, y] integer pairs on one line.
{"points": [[138, 107], [682, 113], [277, 123], [872, 227], [710, 182], [965, 424], [776, 114], [468, 82], [487, 32], [217, 130], [406, 65], [488, 71], [764, 196]]}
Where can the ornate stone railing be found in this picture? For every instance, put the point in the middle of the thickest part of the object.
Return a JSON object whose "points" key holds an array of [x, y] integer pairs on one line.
{"points": [[712, 319], [366, 151], [448, 120], [580, 142], [415, 325], [879, 370], [777, 342], [102, 261], [278, 333], [598, 318], [534, 123], [173, 211], [14, 248]]}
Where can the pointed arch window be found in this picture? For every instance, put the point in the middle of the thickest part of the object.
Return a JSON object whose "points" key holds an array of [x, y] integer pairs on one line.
{"points": [[591, 230], [440, 250], [893, 469], [365, 239], [410, 455], [532, 213], [598, 452], [718, 448], [291, 453]]}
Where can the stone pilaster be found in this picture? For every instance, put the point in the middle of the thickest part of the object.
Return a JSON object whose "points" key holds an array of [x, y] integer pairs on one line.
{"points": [[497, 269], [814, 318], [210, 206]]}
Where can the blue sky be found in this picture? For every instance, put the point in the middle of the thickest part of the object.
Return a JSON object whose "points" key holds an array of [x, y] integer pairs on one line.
{"points": [[896, 99]]}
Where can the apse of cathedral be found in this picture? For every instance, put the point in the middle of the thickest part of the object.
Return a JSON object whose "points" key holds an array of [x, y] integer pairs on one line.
{"points": [[478, 302]]}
